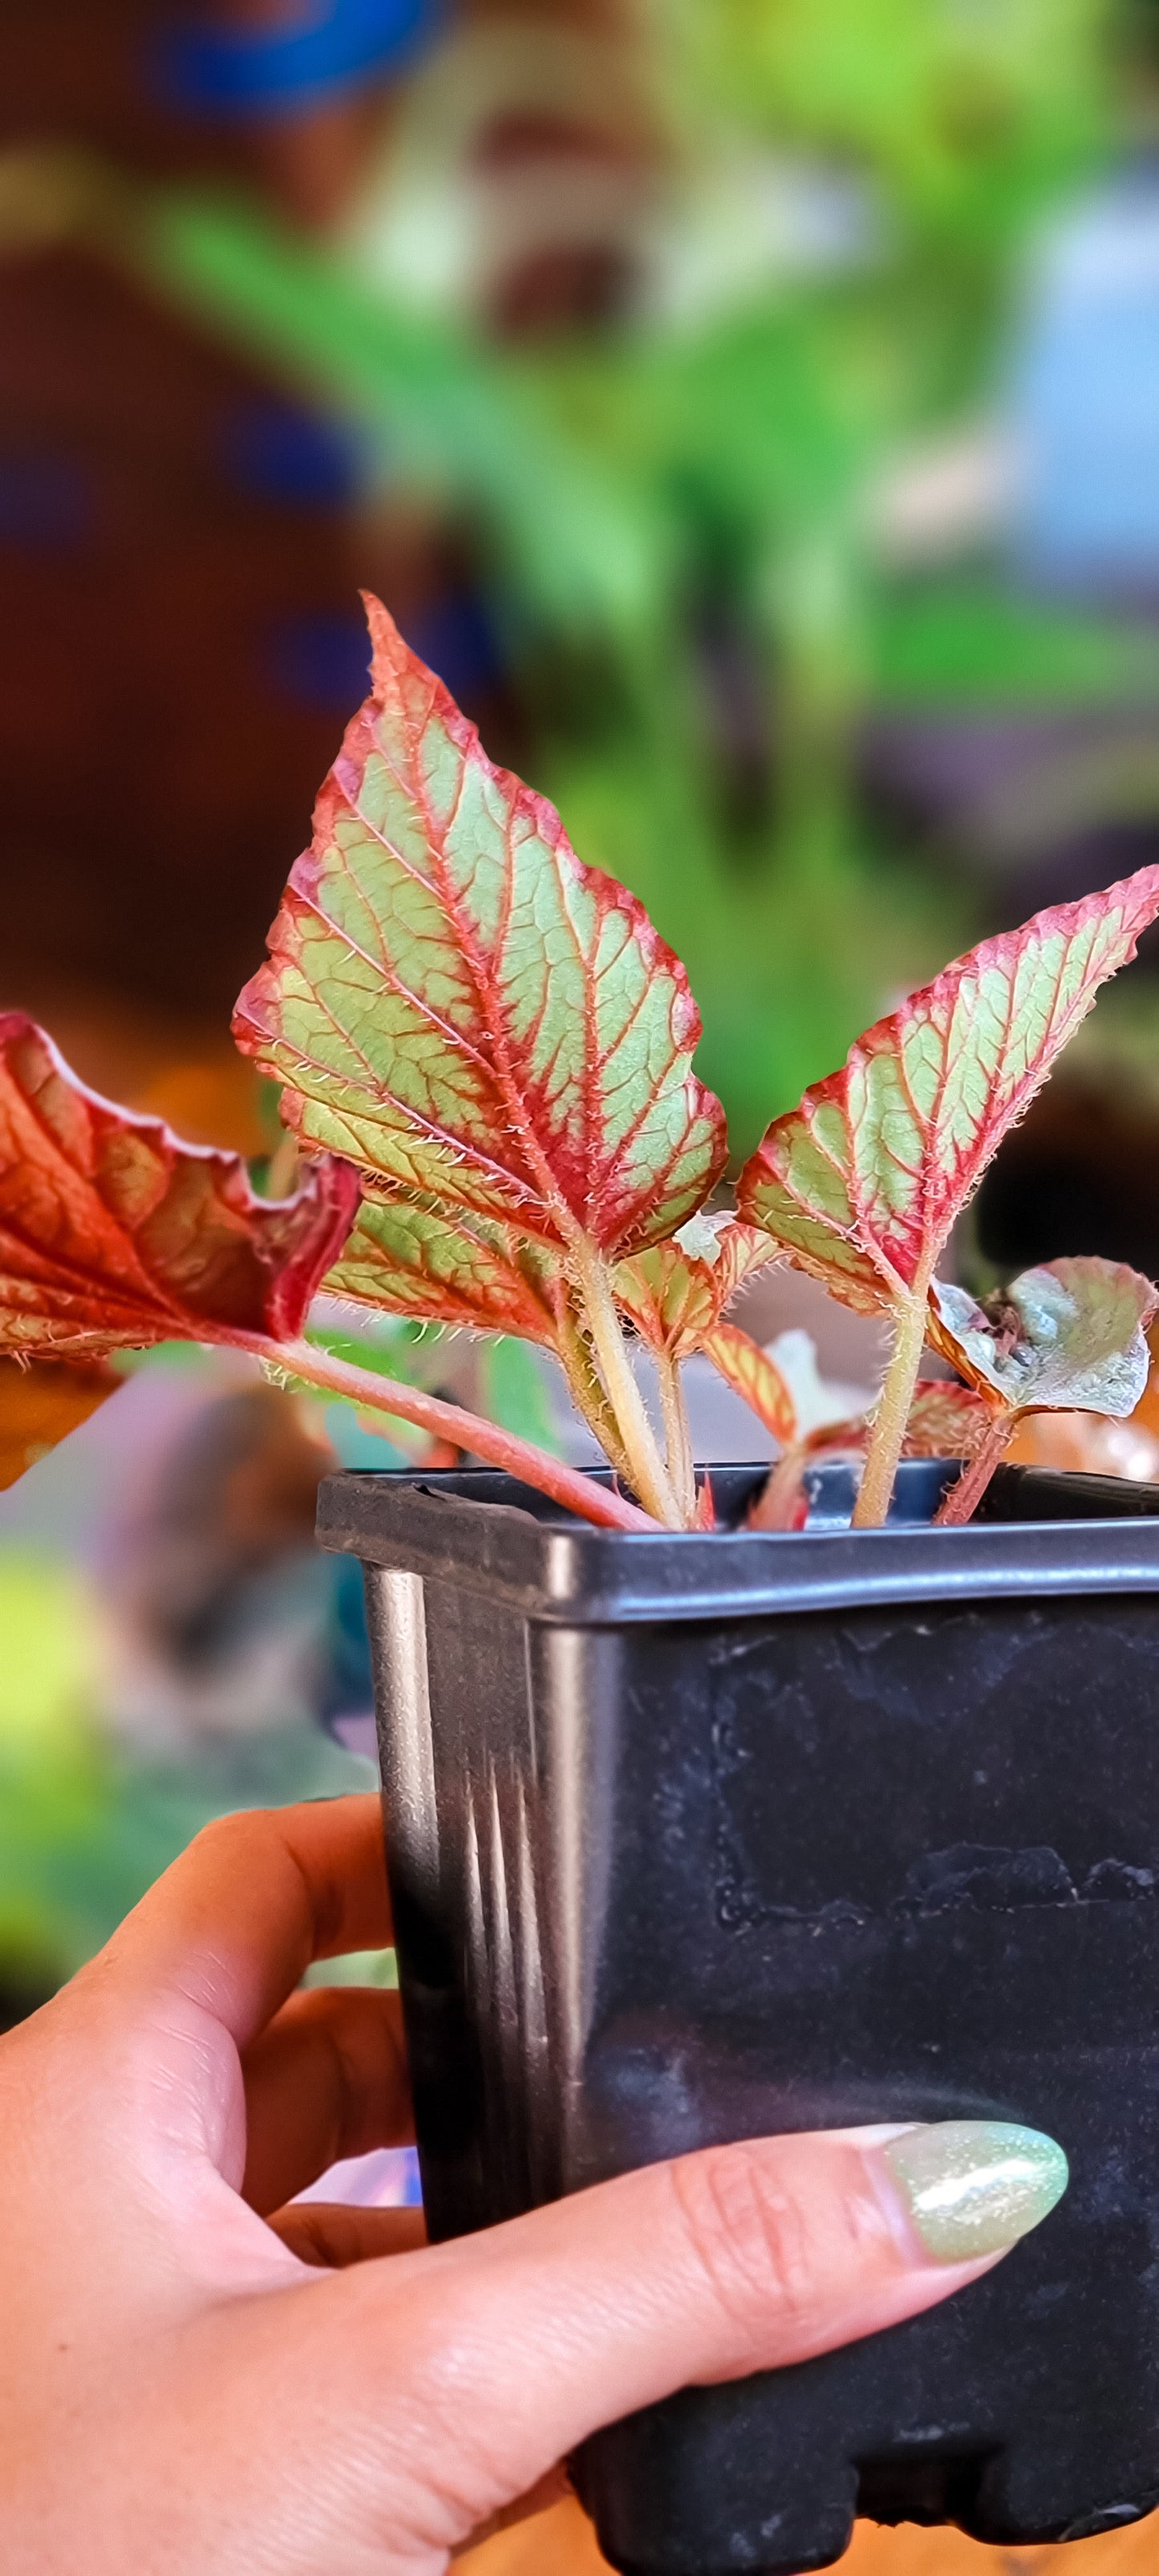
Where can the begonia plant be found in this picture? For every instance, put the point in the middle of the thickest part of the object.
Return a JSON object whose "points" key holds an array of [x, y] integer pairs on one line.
{"points": [[485, 1053]]}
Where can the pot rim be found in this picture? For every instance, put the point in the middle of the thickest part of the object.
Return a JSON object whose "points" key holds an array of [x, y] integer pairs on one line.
{"points": [[485, 1533]]}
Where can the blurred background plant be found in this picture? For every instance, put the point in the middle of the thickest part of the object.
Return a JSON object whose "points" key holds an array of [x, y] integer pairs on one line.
{"points": [[752, 411], [692, 383]]}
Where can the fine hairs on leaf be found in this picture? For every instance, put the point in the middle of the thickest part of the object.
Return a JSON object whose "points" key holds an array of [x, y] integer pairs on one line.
{"points": [[864, 1182], [485, 1052], [114, 1235], [487, 1028]]}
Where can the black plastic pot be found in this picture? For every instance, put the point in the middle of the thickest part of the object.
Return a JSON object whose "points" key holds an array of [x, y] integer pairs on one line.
{"points": [[695, 1838]]}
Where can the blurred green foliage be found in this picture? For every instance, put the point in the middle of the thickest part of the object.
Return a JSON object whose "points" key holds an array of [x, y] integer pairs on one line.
{"points": [[52, 1773], [669, 519], [965, 641], [629, 497], [968, 109], [668, 515], [86, 1824]]}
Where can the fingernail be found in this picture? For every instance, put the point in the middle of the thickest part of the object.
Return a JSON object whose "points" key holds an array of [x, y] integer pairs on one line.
{"points": [[973, 2187]]}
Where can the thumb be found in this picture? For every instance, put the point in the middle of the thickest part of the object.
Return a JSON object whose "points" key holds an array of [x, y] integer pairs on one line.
{"points": [[504, 2350]]}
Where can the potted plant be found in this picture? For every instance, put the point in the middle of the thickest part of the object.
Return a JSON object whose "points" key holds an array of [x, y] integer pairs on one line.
{"points": [[722, 1806]]}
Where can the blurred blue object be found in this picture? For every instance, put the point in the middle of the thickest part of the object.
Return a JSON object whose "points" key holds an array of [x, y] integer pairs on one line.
{"points": [[321, 657], [347, 1694], [455, 637], [45, 501], [275, 451], [278, 70], [411, 2193], [1086, 397]]}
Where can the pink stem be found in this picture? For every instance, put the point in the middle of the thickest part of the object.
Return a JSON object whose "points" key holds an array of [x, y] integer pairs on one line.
{"points": [[964, 1497], [504, 1449], [776, 1504], [777, 1501]]}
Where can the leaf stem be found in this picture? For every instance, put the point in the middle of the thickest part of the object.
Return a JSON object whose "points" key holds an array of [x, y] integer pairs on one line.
{"points": [[499, 1448], [677, 1435], [964, 1497], [777, 1503], [282, 1168], [586, 1388], [889, 1423], [648, 1473]]}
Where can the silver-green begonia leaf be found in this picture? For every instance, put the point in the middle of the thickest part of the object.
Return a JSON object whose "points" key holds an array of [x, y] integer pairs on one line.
{"points": [[1068, 1336]]}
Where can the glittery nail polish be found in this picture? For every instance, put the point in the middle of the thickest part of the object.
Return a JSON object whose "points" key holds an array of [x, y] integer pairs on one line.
{"points": [[973, 2187]]}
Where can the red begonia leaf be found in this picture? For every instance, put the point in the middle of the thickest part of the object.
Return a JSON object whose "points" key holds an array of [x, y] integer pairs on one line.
{"points": [[946, 1421], [460, 1006], [676, 1292], [113, 1234], [410, 1259], [1069, 1336], [862, 1183], [752, 1374]]}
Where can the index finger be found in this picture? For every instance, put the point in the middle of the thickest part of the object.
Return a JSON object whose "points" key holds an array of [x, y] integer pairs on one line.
{"points": [[234, 1924]]}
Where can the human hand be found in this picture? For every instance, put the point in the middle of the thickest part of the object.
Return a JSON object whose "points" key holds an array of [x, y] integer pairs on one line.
{"points": [[196, 2380]]}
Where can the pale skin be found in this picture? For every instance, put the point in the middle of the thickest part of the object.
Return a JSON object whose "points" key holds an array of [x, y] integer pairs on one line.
{"points": [[196, 2380]]}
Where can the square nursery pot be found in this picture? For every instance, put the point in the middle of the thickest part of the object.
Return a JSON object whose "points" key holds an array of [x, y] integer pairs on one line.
{"points": [[695, 1838]]}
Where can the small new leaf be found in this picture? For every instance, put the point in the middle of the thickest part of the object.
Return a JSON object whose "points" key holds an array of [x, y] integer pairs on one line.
{"points": [[114, 1234], [752, 1374], [1068, 1336], [946, 1421], [676, 1293], [460, 1006]]}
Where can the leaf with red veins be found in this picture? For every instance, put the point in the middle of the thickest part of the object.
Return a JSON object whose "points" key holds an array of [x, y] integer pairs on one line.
{"points": [[862, 1184], [460, 1006], [114, 1234], [752, 1374], [1068, 1336], [742, 1250], [411, 1259], [946, 1421], [676, 1292]]}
